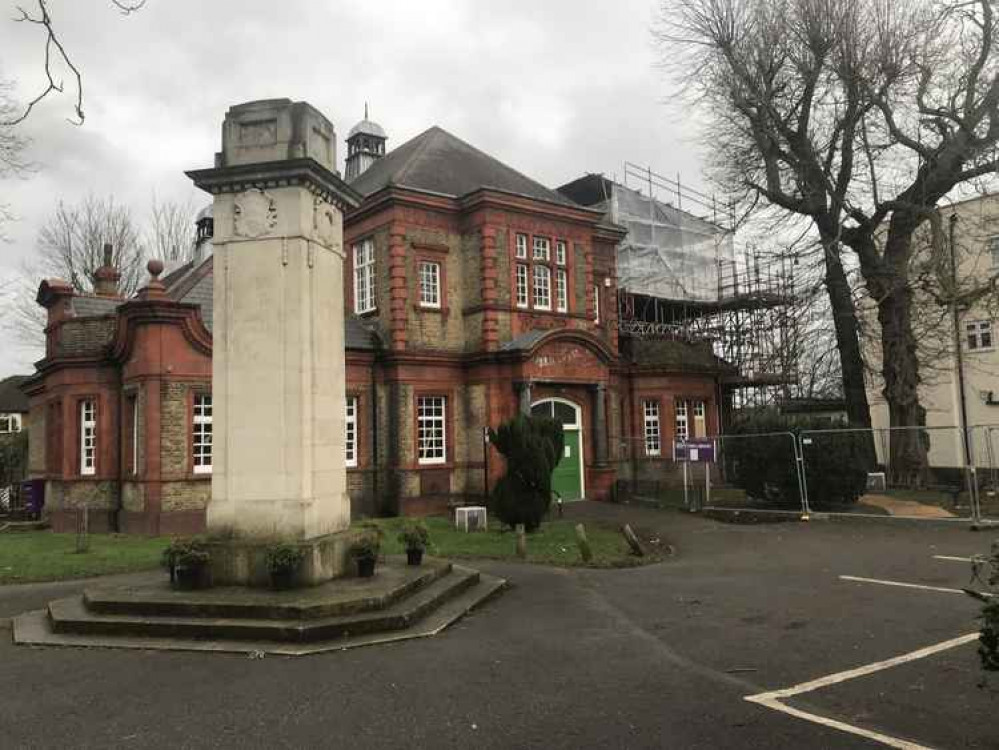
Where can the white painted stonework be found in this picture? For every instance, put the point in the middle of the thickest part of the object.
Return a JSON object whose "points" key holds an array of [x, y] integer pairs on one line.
{"points": [[278, 355]]}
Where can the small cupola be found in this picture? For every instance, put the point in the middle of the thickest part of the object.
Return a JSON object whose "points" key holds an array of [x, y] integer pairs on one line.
{"points": [[365, 145]]}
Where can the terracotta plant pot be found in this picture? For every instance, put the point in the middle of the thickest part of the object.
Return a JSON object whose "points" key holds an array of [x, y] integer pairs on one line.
{"points": [[414, 556], [365, 567]]}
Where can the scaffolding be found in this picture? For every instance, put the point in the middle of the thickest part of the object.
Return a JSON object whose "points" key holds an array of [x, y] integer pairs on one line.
{"points": [[680, 277]]}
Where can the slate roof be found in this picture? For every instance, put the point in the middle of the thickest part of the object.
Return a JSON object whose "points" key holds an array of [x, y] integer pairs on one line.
{"points": [[676, 355], [12, 399], [524, 342], [436, 161]]}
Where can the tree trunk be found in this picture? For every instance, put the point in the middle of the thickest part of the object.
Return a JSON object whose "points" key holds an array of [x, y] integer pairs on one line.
{"points": [[848, 343], [900, 369]]}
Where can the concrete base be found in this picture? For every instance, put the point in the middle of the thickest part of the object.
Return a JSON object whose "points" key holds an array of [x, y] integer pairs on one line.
{"points": [[398, 603], [241, 562]]}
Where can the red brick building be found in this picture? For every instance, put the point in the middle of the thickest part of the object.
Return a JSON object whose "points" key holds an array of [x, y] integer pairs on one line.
{"points": [[472, 291]]}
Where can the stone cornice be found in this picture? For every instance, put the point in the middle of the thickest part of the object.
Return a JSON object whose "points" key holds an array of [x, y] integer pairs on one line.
{"points": [[307, 173]]}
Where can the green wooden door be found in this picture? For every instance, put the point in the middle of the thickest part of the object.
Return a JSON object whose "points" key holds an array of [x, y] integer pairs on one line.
{"points": [[567, 479]]}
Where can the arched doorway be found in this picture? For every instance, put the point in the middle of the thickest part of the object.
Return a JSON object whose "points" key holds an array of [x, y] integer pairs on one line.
{"points": [[568, 477]]}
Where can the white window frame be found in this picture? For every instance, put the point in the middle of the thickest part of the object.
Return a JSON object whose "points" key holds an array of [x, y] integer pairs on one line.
{"points": [[133, 399], [542, 287], [681, 422], [430, 284], [596, 304], [523, 285], [350, 429], [521, 247], [88, 437], [700, 423], [976, 332], [542, 249], [201, 431], [364, 277], [561, 290], [431, 430], [10, 423], [653, 434], [560, 252]]}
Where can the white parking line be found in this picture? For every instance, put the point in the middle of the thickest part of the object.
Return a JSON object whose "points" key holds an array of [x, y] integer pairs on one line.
{"points": [[773, 699], [954, 559], [900, 584]]}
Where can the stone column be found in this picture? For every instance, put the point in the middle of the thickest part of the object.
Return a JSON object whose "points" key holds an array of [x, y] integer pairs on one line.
{"points": [[524, 394], [278, 350], [600, 425]]}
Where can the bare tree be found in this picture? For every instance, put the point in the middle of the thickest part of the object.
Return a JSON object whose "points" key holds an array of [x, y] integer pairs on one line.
{"points": [[70, 247], [13, 149], [170, 233], [56, 56], [860, 115]]}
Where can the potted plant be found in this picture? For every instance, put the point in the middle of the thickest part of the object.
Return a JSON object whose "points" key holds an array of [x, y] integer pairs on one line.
{"points": [[283, 562], [415, 537], [365, 552], [188, 563]]}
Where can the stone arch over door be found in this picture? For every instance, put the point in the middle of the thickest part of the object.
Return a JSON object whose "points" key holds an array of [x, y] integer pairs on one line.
{"points": [[569, 477]]}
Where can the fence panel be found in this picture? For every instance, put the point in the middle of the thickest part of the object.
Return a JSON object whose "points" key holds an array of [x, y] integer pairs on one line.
{"points": [[879, 472], [984, 441]]}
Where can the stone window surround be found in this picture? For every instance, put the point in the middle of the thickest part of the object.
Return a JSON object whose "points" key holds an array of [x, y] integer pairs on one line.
{"points": [[427, 253], [551, 261], [10, 422], [351, 419], [194, 421], [448, 395], [651, 424], [79, 402], [978, 335], [369, 267]]}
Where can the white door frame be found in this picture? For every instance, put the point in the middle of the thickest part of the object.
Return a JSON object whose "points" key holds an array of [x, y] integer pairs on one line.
{"points": [[578, 427]]}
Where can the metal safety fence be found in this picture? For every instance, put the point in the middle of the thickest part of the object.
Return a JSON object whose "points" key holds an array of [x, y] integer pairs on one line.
{"points": [[940, 473]]}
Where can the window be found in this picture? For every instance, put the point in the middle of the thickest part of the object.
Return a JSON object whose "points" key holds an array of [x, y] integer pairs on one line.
{"points": [[88, 436], [430, 284], [992, 244], [542, 288], [430, 416], [561, 290], [522, 246], [133, 410], [682, 428], [560, 252], [699, 424], [653, 444], [10, 423], [521, 285], [350, 443], [364, 276], [596, 304], [202, 442], [979, 334], [542, 248]]}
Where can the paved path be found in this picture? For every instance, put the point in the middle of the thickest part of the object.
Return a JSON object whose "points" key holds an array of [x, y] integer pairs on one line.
{"points": [[909, 508], [657, 657]]}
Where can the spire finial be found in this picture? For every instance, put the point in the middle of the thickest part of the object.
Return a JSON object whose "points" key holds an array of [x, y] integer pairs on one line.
{"points": [[365, 110]]}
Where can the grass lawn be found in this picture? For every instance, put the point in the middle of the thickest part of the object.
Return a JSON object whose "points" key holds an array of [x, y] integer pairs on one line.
{"points": [[553, 544], [43, 556]]}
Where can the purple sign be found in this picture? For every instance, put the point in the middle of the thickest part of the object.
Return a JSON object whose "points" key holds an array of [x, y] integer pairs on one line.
{"points": [[694, 451]]}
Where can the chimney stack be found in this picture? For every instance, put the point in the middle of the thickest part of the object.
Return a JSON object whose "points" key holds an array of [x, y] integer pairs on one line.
{"points": [[107, 276]]}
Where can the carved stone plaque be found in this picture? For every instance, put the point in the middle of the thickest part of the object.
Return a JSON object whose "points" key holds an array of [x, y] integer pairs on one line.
{"points": [[254, 213], [326, 223]]}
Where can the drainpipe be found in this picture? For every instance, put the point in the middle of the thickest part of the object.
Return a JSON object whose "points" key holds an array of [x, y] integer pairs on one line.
{"points": [[959, 361]]}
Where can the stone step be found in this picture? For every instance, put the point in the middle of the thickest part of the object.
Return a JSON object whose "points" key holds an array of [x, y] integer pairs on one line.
{"points": [[34, 628], [71, 616], [337, 598]]}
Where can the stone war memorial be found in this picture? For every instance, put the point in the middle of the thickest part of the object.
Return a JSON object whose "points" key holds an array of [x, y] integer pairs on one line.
{"points": [[279, 475]]}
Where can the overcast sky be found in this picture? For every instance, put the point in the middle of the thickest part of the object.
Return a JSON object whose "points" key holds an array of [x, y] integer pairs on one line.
{"points": [[554, 88]]}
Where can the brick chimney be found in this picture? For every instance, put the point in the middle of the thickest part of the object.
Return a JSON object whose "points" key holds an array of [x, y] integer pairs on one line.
{"points": [[107, 276]]}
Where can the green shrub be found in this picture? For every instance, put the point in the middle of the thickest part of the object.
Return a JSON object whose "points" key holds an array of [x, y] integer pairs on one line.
{"points": [[532, 446], [13, 458], [414, 535], [283, 558], [766, 468], [986, 571], [185, 553]]}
